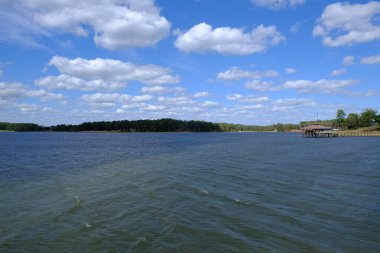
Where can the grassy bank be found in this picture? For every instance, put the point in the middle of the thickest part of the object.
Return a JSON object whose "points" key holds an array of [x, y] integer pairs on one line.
{"points": [[364, 131]]}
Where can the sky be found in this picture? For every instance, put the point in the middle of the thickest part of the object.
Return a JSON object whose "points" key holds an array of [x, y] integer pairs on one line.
{"points": [[256, 62]]}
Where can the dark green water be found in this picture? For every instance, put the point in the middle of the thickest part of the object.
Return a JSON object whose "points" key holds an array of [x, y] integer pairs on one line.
{"points": [[235, 192]]}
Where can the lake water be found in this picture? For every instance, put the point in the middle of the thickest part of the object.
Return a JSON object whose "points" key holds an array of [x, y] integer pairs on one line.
{"points": [[188, 192]]}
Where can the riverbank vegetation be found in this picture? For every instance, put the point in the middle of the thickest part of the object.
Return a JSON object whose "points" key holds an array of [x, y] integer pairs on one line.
{"points": [[19, 127], [368, 120], [159, 125]]}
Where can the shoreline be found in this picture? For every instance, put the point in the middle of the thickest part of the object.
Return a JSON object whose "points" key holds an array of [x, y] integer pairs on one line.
{"points": [[343, 133]]}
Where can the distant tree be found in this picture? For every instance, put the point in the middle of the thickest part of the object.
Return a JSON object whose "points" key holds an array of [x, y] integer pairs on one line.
{"points": [[340, 117], [378, 118], [352, 121], [280, 127], [367, 117]]}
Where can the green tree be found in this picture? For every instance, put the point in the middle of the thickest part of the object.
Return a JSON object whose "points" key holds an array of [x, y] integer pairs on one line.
{"points": [[280, 127], [367, 117], [352, 121], [340, 117]]}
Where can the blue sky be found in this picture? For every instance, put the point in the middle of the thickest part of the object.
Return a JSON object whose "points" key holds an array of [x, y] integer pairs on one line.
{"points": [[240, 61]]}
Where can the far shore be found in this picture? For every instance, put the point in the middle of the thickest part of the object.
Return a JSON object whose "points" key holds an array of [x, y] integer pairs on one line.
{"points": [[341, 133]]}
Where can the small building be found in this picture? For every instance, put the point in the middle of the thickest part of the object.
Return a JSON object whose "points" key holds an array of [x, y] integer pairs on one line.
{"points": [[318, 131]]}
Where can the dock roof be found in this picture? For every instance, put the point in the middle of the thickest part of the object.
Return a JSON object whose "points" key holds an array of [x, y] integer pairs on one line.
{"points": [[316, 127]]}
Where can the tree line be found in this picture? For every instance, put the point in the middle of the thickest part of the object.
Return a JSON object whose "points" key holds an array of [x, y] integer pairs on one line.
{"points": [[367, 118], [159, 125], [20, 127]]}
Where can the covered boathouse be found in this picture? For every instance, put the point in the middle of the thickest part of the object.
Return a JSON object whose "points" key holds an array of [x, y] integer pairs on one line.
{"points": [[318, 131]]}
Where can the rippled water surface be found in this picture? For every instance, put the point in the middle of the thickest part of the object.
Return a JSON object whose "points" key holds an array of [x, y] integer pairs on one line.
{"points": [[188, 192]]}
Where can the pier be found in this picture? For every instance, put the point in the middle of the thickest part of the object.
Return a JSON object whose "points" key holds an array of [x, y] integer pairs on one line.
{"points": [[318, 131]]}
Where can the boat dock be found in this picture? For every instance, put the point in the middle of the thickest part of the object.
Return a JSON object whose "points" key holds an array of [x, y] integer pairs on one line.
{"points": [[320, 131]]}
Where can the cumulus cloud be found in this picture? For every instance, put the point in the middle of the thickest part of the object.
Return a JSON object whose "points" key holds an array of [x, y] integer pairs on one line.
{"points": [[84, 74], [374, 59], [277, 4], [13, 91], [234, 74], [203, 38], [338, 72], [247, 98], [294, 102], [30, 108], [115, 24], [66, 82], [142, 98], [175, 100], [155, 89], [158, 89], [209, 103], [260, 85], [348, 60], [106, 98], [290, 71], [307, 86], [344, 24], [320, 86], [202, 94]]}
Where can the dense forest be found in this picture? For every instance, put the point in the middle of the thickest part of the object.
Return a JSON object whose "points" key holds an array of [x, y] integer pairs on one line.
{"points": [[160, 125], [168, 125], [19, 127], [368, 117]]}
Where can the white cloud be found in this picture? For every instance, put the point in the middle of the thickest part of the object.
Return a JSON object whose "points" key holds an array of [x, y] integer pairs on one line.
{"points": [[294, 102], [338, 72], [203, 38], [106, 98], [307, 86], [154, 108], [208, 103], [66, 82], [234, 74], [113, 70], [46, 96], [175, 100], [154, 89], [29, 107], [260, 85], [290, 71], [201, 94], [277, 4], [101, 73], [247, 99], [374, 59], [142, 98], [320, 86], [347, 24], [133, 106], [13, 91], [116, 25], [162, 90], [348, 60]]}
